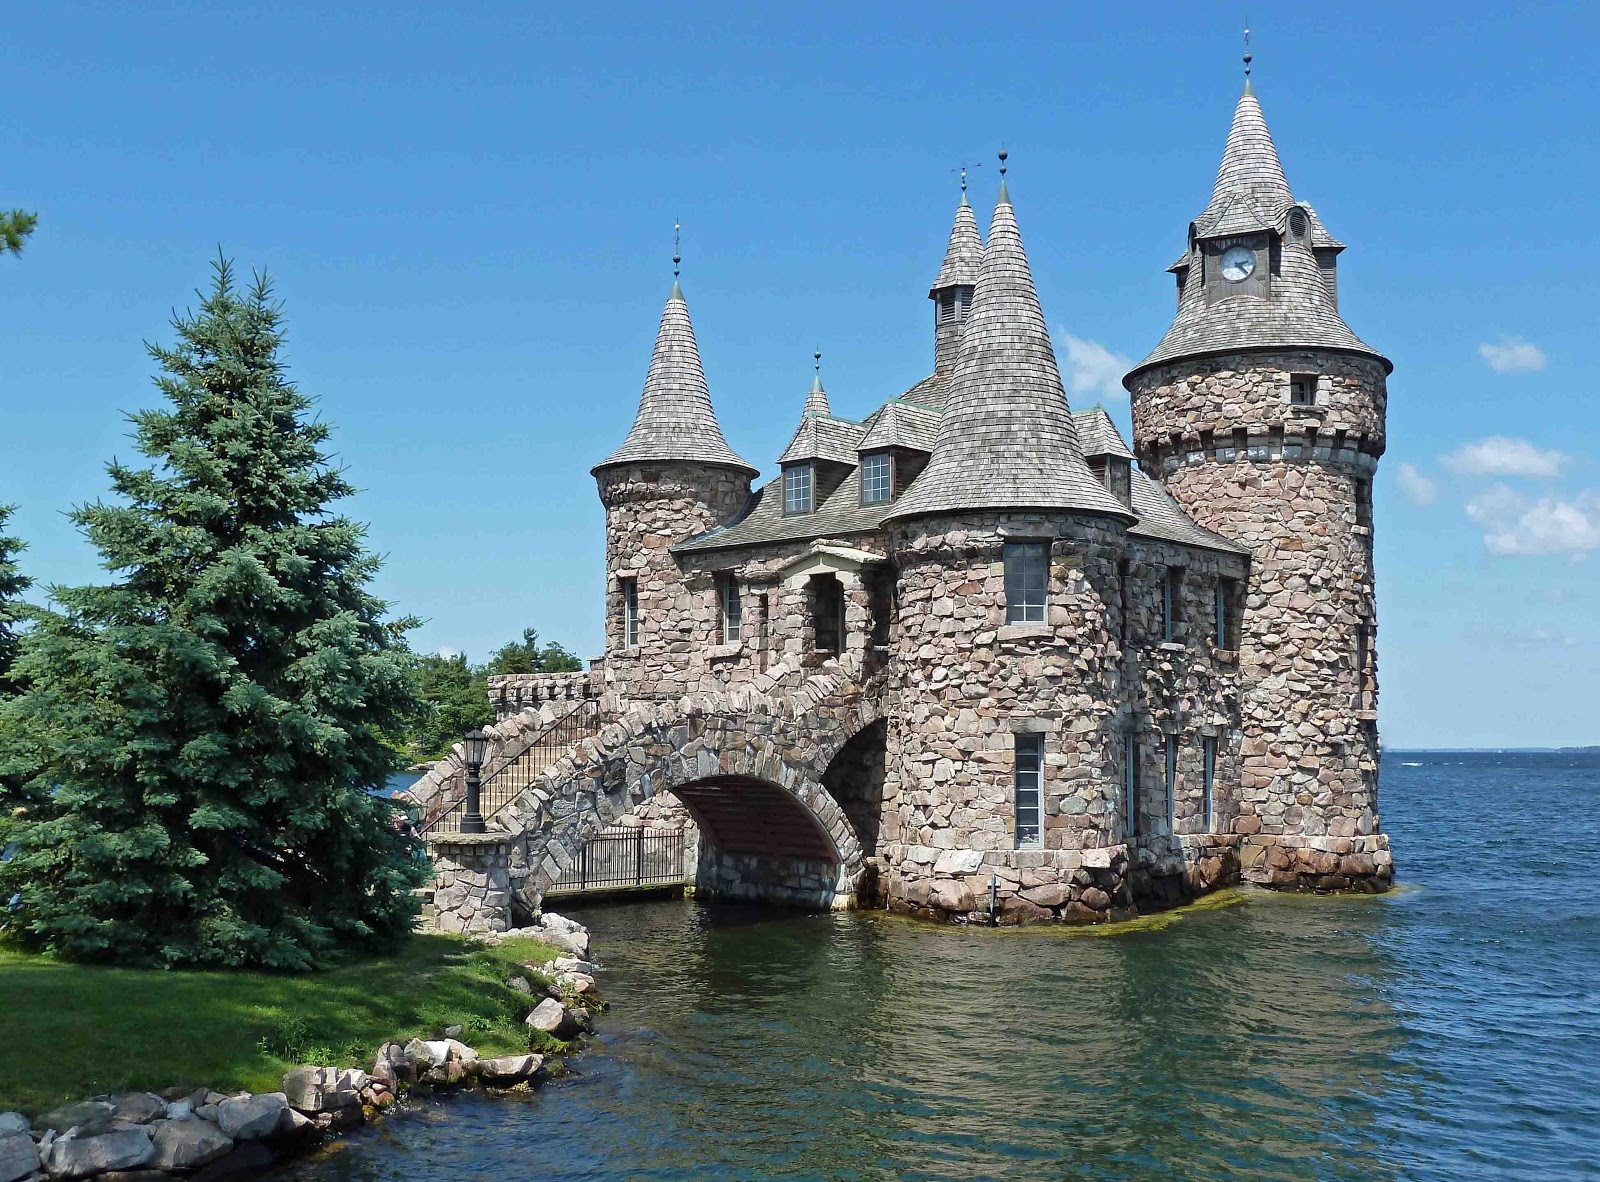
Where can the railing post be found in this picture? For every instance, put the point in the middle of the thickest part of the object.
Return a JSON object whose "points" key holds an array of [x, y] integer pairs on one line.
{"points": [[638, 859], [583, 867]]}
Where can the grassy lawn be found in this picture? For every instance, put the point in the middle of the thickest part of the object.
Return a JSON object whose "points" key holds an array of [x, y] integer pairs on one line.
{"points": [[68, 1031]]}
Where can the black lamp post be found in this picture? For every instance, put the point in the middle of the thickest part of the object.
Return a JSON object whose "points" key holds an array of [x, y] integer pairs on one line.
{"points": [[474, 746]]}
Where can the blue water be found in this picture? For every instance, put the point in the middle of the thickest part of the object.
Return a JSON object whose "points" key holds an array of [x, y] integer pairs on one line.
{"points": [[1446, 1031]]}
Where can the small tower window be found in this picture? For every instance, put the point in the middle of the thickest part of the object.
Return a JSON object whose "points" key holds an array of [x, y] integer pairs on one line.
{"points": [[1027, 566], [1226, 617], [1302, 389], [947, 305], [827, 613], [1130, 785], [1171, 599], [1028, 781], [1362, 489], [630, 613], [1172, 783], [1208, 770], [797, 489], [1119, 479], [877, 479], [732, 605]]}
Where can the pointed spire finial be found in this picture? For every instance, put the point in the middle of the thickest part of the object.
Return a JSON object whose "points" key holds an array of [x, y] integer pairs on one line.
{"points": [[677, 246], [1247, 54], [1004, 155], [816, 362]]}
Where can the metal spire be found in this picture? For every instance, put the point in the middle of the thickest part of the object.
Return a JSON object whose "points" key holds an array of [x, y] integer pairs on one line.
{"points": [[1247, 55], [963, 171], [677, 258], [1004, 196]]}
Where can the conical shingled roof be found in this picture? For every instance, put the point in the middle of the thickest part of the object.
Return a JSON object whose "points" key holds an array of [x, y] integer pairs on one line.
{"points": [[816, 400], [1006, 439], [965, 252], [675, 419], [1252, 196]]}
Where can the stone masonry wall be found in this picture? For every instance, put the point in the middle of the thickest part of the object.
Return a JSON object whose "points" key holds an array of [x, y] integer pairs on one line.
{"points": [[1307, 660], [968, 683]]}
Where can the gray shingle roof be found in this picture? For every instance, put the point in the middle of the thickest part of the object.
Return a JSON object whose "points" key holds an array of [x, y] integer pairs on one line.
{"points": [[762, 521], [965, 252], [1098, 435], [901, 424], [817, 400], [1162, 517], [1251, 195], [931, 391], [675, 419], [820, 437], [1006, 439]]}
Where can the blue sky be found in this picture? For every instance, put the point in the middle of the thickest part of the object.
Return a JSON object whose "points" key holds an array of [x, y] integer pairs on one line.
{"points": [[468, 211]]}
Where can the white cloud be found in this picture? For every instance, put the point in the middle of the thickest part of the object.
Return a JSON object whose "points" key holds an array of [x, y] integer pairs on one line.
{"points": [[1502, 456], [1513, 355], [1515, 524], [1416, 487], [448, 653], [1092, 368]]}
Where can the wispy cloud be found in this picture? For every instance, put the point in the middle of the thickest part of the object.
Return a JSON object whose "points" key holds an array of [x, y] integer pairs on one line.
{"points": [[1416, 487], [449, 653], [1091, 368], [1516, 524], [1513, 355], [1500, 455]]}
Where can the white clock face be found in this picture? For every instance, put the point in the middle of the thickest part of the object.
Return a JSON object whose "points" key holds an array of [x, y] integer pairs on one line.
{"points": [[1237, 263]]}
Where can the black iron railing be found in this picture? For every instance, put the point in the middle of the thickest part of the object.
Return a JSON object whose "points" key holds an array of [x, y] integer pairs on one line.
{"points": [[514, 777], [620, 857]]}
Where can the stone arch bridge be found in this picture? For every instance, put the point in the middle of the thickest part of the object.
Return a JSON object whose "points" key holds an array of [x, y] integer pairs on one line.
{"points": [[751, 763]]}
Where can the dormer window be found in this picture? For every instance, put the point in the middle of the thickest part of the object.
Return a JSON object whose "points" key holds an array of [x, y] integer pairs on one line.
{"points": [[953, 304], [877, 479], [1119, 480], [797, 489]]}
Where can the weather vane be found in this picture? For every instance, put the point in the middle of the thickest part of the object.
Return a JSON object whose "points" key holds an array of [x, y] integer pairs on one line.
{"points": [[677, 250], [1247, 47], [1003, 155], [963, 171]]}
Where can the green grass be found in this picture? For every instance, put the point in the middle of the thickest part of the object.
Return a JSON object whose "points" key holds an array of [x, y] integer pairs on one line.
{"points": [[68, 1031]]}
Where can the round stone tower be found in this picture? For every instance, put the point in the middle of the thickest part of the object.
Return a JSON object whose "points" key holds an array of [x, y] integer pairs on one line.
{"points": [[1263, 414], [1004, 740], [673, 477]]}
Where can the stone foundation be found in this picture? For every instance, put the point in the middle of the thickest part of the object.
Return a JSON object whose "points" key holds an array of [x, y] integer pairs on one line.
{"points": [[1029, 886], [1321, 864], [472, 881], [793, 882]]}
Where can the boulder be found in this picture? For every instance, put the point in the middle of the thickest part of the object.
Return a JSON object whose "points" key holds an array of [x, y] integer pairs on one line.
{"points": [[247, 1117], [187, 1144], [13, 1122], [137, 1108], [567, 964], [553, 1018], [180, 1110], [510, 1069], [519, 983], [576, 943], [576, 983], [322, 1089], [460, 1050], [551, 922], [89, 1115], [452, 1032], [76, 1156], [19, 1156]]}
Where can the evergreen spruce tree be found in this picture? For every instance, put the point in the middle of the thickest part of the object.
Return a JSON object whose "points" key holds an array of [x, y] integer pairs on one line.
{"points": [[15, 227], [202, 734], [12, 584]]}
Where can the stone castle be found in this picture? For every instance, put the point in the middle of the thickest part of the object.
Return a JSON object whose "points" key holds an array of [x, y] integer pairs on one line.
{"points": [[976, 657]]}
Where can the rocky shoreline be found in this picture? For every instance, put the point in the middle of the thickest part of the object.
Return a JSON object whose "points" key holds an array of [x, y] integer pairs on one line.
{"points": [[204, 1135]]}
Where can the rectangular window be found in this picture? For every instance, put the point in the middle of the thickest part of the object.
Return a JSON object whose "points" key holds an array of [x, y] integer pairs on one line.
{"points": [[630, 613], [1130, 785], [1171, 591], [732, 605], [1027, 580], [877, 479], [1223, 594], [1364, 694], [1124, 600], [1208, 756], [1363, 496], [1302, 389], [1172, 783], [1029, 782], [797, 489]]}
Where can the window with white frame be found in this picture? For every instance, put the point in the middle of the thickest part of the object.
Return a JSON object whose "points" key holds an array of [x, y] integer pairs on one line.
{"points": [[732, 605], [1130, 785], [1172, 783], [877, 479], [630, 613], [1027, 567], [1028, 778], [1208, 759], [797, 489]]}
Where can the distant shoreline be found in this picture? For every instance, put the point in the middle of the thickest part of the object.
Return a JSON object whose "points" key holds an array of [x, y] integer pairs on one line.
{"points": [[1492, 750]]}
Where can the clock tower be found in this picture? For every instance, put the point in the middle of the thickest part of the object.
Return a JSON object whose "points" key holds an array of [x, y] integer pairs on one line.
{"points": [[1263, 415]]}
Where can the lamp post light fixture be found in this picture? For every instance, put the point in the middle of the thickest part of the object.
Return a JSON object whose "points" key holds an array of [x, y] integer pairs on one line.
{"points": [[474, 746]]}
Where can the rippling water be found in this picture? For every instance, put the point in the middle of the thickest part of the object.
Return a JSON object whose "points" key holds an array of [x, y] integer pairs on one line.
{"points": [[1446, 1031]]}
